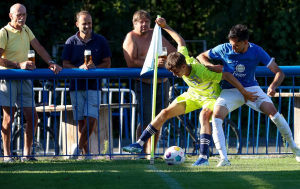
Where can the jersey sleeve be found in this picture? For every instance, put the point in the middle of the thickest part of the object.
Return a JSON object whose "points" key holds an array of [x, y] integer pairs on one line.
{"points": [[217, 52], [208, 75], [3, 39], [189, 60], [263, 57]]}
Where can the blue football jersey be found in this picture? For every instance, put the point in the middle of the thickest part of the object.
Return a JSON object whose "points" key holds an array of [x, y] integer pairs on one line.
{"points": [[241, 65]]}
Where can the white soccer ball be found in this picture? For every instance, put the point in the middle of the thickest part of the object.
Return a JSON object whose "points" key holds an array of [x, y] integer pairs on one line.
{"points": [[174, 156]]}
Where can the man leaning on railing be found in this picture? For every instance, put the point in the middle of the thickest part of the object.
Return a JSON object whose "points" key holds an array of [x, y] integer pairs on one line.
{"points": [[85, 50], [15, 41]]}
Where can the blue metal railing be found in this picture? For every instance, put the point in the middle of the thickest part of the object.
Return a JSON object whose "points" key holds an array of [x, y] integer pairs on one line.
{"points": [[128, 74]]}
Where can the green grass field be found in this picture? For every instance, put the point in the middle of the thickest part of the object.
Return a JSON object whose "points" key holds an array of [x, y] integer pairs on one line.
{"points": [[258, 172]]}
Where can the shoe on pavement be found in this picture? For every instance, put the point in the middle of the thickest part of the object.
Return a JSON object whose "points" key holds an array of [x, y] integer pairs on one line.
{"points": [[75, 152], [135, 147], [32, 159], [201, 162], [296, 152], [223, 163], [10, 160]]}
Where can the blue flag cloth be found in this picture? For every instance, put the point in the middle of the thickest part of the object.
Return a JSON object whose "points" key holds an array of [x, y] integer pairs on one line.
{"points": [[155, 47]]}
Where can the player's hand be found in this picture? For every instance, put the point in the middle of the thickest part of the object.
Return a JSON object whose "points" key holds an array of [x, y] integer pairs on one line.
{"points": [[55, 68], [250, 96], [161, 22], [161, 62], [271, 91], [27, 65]]}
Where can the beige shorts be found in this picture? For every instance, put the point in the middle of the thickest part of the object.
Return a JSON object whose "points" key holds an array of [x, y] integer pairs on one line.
{"points": [[233, 99], [16, 93], [86, 103]]}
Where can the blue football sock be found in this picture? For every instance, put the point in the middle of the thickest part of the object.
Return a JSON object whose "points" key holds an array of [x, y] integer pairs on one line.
{"points": [[147, 133], [204, 145]]}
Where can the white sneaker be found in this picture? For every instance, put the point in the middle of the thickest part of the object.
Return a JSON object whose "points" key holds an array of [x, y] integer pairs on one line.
{"points": [[75, 149], [223, 162], [296, 152]]}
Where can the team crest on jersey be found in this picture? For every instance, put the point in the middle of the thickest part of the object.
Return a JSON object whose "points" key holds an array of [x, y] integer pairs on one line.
{"points": [[239, 69]]}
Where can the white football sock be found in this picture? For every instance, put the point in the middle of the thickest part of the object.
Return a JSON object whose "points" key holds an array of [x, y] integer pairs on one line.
{"points": [[284, 129], [219, 137]]}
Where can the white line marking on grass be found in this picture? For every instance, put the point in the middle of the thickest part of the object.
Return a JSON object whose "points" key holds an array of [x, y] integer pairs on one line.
{"points": [[169, 180]]}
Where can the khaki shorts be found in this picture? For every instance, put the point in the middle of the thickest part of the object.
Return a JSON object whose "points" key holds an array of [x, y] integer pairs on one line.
{"points": [[193, 103], [14, 93], [86, 104]]}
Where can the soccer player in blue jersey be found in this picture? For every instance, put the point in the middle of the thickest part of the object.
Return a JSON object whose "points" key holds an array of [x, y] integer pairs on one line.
{"points": [[241, 58]]}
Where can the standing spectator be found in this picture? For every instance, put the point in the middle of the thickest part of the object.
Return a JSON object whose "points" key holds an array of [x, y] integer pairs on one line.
{"points": [[85, 100], [135, 48], [15, 41], [241, 58]]}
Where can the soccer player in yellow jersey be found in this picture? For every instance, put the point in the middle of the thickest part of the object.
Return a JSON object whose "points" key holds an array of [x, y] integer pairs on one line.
{"points": [[203, 91]]}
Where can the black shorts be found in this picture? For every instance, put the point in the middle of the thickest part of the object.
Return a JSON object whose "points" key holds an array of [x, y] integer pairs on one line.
{"points": [[145, 108]]}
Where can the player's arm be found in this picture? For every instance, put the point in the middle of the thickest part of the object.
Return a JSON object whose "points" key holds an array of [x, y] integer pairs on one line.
{"points": [[45, 56], [162, 23], [279, 76], [233, 81], [203, 58], [131, 52]]}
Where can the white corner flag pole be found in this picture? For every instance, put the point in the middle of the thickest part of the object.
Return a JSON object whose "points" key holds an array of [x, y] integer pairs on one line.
{"points": [[154, 102]]}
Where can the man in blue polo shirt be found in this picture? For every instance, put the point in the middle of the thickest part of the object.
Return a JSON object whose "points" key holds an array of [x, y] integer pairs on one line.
{"points": [[85, 97]]}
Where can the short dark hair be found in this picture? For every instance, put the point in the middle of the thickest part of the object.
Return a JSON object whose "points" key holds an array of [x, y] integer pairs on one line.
{"points": [[240, 32], [139, 15], [82, 13], [175, 60]]}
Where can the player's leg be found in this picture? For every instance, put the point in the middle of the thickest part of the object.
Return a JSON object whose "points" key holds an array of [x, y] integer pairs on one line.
{"points": [[268, 108], [205, 137], [229, 100], [172, 110]]}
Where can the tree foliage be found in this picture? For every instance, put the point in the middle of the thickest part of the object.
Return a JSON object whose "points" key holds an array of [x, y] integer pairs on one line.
{"points": [[274, 25]]}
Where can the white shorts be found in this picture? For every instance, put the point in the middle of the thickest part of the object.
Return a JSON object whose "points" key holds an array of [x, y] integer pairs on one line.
{"points": [[233, 99], [83, 106]]}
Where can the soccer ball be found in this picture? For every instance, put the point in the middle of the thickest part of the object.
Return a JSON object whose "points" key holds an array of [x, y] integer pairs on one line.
{"points": [[174, 156]]}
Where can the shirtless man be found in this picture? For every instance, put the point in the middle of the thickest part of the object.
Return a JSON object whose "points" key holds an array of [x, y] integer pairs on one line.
{"points": [[135, 48]]}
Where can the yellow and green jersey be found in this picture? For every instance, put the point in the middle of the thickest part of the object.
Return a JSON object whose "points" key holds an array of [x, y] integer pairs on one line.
{"points": [[202, 82]]}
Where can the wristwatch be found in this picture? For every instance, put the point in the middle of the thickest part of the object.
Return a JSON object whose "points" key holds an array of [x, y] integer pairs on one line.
{"points": [[52, 62]]}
